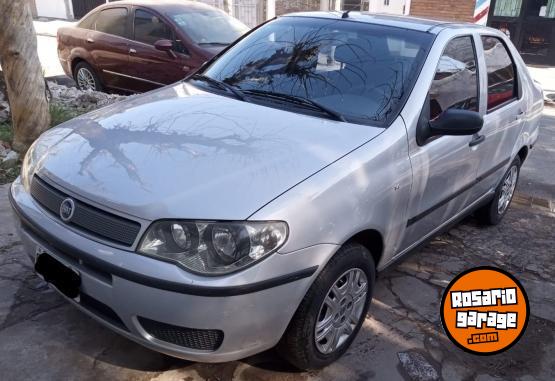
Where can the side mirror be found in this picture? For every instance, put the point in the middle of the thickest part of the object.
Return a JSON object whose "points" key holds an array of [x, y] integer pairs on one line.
{"points": [[164, 45], [451, 122]]}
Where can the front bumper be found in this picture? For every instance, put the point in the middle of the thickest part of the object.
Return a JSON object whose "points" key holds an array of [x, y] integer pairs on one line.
{"points": [[121, 289]]}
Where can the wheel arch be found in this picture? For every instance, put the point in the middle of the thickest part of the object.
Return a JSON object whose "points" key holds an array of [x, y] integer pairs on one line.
{"points": [[75, 62], [372, 240], [523, 154]]}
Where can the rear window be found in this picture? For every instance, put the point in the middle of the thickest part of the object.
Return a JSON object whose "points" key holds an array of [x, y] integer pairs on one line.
{"points": [[112, 21], [501, 72], [361, 71], [88, 22]]}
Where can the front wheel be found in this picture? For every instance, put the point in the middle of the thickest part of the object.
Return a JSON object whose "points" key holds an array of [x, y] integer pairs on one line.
{"points": [[332, 311], [493, 212]]}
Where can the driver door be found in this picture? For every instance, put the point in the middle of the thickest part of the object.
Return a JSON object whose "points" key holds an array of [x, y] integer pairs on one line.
{"points": [[444, 167], [152, 68]]}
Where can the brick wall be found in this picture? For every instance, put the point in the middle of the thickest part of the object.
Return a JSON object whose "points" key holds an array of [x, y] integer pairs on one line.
{"points": [[453, 10], [289, 6]]}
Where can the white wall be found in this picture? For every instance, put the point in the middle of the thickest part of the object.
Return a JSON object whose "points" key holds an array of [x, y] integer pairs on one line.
{"points": [[54, 8], [394, 7]]}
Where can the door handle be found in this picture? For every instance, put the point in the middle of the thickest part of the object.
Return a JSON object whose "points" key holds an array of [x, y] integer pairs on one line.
{"points": [[519, 115], [132, 51], [90, 40], [476, 140]]}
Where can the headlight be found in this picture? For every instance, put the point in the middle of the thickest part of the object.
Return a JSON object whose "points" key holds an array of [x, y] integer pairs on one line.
{"points": [[213, 248], [28, 166]]}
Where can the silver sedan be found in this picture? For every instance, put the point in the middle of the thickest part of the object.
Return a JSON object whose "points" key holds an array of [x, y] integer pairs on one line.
{"points": [[252, 204]]}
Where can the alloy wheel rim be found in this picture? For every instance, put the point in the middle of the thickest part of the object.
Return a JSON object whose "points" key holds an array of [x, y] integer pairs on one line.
{"points": [[85, 79], [341, 310], [507, 190]]}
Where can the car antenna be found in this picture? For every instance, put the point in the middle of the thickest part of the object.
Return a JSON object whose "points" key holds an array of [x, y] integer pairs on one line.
{"points": [[345, 14]]}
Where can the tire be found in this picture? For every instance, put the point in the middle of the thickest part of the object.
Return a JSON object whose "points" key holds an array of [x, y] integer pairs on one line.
{"points": [[298, 345], [493, 212], [86, 78]]}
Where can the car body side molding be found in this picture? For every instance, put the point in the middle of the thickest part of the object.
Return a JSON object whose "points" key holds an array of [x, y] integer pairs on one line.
{"points": [[418, 217]]}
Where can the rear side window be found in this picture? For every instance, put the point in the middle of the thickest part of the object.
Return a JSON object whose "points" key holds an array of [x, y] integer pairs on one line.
{"points": [[455, 83], [149, 28], [88, 22], [501, 72], [112, 21]]}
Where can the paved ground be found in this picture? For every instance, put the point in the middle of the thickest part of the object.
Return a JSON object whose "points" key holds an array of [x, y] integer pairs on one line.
{"points": [[44, 338]]}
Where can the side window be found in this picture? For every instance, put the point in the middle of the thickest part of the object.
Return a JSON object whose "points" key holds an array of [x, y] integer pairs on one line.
{"points": [[455, 84], [149, 28], [501, 72], [112, 21]]}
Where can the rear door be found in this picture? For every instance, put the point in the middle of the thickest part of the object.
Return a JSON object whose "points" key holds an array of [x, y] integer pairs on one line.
{"points": [[109, 46], [505, 111], [150, 67], [444, 167]]}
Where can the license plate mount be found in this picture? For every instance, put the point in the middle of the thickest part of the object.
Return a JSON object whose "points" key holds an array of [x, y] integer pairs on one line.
{"points": [[65, 279]]}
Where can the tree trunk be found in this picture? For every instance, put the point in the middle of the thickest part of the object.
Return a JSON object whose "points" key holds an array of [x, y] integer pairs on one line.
{"points": [[22, 73], [227, 6]]}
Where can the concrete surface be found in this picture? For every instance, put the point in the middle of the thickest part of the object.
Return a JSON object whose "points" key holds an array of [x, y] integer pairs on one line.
{"points": [[545, 76], [42, 337], [49, 27], [538, 175], [47, 47]]}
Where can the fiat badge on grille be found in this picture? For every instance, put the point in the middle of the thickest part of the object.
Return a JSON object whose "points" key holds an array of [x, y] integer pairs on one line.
{"points": [[67, 208]]}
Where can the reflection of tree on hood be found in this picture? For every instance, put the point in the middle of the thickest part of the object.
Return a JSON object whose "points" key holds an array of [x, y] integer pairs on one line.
{"points": [[111, 141]]}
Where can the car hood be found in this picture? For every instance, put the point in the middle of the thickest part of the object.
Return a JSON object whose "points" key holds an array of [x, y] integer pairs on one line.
{"points": [[180, 152]]}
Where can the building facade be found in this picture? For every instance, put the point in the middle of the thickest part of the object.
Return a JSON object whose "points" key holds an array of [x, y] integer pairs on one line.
{"points": [[531, 26]]}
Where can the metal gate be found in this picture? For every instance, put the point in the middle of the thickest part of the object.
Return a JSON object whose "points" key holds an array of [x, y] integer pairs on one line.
{"points": [[82, 7], [250, 12]]}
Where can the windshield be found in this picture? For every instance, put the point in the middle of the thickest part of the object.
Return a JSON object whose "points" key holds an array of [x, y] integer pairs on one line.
{"points": [[211, 26], [358, 70]]}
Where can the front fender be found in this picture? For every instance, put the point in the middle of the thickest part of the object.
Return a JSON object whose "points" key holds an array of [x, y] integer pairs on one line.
{"points": [[368, 188]]}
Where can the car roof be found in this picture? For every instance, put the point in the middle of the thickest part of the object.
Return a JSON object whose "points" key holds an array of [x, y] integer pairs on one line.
{"points": [[406, 22], [165, 6]]}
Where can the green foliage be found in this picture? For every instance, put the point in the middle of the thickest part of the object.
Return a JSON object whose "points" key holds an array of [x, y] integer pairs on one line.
{"points": [[60, 114], [6, 134]]}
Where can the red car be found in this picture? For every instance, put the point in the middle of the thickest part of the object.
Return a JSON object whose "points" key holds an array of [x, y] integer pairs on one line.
{"points": [[136, 46]]}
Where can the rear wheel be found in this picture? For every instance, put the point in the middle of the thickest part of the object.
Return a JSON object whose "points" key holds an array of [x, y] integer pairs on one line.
{"points": [[493, 212], [86, 77], [332, 311]]}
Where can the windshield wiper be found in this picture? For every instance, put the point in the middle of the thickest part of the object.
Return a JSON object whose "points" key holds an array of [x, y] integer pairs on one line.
{"points": [[222, 85], [299, 100], [214, 43]]}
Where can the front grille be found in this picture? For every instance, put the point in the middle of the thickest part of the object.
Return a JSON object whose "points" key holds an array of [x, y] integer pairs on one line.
{"points": [[92, 220], [201, 339]]}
